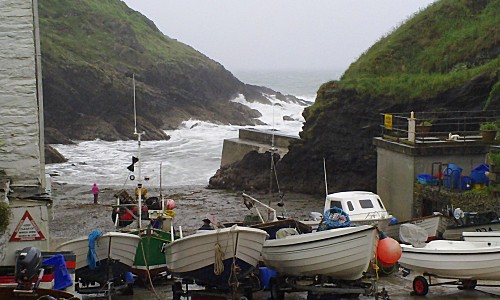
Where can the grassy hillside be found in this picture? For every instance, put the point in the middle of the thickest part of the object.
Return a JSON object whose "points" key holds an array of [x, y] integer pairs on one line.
{"points": [[446, 45], [110, 33], [89, 50], [445, 58]]}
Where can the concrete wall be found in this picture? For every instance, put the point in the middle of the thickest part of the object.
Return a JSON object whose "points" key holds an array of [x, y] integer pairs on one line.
{"points": [[399, 164], [19, 121], [234, 150]]}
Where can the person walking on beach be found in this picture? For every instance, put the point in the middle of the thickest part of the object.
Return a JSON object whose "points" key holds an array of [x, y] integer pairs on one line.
{"points": [[95, 191]]}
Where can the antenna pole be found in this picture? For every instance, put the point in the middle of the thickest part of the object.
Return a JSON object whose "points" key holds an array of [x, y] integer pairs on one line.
{"points": [[139, 183], [326, 181], [135, 112]]}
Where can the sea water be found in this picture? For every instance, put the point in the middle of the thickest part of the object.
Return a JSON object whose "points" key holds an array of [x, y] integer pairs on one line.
{"points": [[193, 153]]}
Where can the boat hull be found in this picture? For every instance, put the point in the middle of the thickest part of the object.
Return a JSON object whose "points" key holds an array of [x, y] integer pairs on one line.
{"points": [[454, 259], [115, 252], [116, 245], [434, 225], [150, 258], [455, 233], [342, 253], [199, 256]]}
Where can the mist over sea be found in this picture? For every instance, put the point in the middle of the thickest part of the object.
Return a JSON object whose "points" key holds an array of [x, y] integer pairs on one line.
{"points": [[192, 155]]}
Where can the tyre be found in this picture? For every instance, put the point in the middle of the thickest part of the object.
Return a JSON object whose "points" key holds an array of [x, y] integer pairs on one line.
{"points": [[276, 292], [176, 290], [469, 284], [420, 286]]}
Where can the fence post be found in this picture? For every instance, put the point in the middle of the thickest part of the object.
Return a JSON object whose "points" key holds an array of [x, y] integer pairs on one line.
{"points": [[411, 128]]}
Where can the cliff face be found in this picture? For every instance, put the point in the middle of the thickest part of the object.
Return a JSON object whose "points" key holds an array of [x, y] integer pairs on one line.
{"points": [[91, 48], [445, 58]]}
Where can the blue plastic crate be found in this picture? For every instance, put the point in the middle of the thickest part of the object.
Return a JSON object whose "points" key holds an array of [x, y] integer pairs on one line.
{"points": [[427, 179]]}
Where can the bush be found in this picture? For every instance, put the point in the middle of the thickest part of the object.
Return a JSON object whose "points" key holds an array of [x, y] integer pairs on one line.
{"points": [[488, 126], [4, 216]]}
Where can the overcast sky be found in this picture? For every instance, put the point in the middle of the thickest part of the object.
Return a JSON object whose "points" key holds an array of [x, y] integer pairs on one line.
{"points": [[279, 34]]}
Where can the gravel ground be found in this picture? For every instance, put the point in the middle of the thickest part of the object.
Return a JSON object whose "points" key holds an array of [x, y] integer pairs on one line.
{"points": [[75, 215]]}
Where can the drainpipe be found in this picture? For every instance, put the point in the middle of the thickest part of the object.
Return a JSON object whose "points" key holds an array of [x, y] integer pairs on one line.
{"points": [[39, 91]]}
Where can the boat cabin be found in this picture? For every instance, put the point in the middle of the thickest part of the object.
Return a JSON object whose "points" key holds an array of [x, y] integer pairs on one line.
{"points": [[360, 205]]}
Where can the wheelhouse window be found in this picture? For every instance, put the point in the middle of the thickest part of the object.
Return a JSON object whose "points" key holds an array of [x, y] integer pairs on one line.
{"points": [[336, 203], [380, 203], [350, 206], [366, 203]]}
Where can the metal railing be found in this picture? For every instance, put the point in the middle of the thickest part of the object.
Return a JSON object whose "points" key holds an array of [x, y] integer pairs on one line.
{"points": [[450, 126]]}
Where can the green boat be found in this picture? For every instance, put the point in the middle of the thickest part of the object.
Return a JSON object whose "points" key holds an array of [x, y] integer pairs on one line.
{"points": [[149, 259]]}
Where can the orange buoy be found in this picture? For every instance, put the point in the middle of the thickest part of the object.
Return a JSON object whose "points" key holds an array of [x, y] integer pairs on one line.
{"points": [[388, 251]]}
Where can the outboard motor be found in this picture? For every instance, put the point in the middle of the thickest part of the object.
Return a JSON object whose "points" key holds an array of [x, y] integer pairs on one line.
{"points": [[28, 266]]}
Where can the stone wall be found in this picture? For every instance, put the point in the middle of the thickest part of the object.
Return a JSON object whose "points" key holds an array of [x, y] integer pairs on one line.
{"points": [[19, 121]]}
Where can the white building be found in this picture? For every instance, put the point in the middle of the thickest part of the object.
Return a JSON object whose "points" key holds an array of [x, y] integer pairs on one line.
{"points": [[23, 183]]}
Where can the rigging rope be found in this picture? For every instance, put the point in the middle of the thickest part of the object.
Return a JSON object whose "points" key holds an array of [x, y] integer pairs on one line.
{"points": [[147, 270]]}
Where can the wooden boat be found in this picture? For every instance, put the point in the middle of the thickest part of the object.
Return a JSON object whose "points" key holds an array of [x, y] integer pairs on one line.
{"points": [[473, 222], [434, 225], [454, 259], [114, 256], [149, 260], [271, 227], [342, 253], [216, 257]]}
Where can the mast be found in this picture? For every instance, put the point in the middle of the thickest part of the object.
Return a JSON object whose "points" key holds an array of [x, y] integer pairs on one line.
{"points": [[139, 182]]}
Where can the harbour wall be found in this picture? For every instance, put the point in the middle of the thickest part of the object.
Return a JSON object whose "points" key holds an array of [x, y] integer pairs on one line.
{"points": [[250, 139]]}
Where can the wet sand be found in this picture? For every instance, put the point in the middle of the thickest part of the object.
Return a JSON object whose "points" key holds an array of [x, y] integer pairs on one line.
{"points": [[75, 215]]}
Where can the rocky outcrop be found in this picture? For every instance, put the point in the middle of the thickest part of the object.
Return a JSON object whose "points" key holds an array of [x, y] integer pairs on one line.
{"points": [[52, 156], [87, 76], [405, 71]]}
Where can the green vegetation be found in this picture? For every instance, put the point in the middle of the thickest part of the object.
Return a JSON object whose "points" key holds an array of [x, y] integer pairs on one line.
{"points": [[425, 123], [446, 45], [4, 216], [494, 158], [488, 126], [111, 34]]}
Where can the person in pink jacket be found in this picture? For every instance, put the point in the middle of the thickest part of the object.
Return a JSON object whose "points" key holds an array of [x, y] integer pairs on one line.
{"points": [[95, 191]]}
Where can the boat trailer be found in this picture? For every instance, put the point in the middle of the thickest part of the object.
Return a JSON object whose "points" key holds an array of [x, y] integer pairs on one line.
{"points": [[243, 289], [320, 287], [421, 283]]}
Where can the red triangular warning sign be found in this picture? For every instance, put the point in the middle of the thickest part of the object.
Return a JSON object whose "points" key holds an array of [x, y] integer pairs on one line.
{"points": [[27, 230]]}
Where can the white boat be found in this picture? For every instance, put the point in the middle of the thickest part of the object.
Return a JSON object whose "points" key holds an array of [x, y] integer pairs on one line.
{"points": [[112, 249], [434, 225], [454, 259], [482, 236], [211, 257], [473, 222], [341, 253], [363, 208]]}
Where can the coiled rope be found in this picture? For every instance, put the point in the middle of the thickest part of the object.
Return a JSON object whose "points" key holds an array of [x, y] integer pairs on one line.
{"points": [[219, 256]]}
